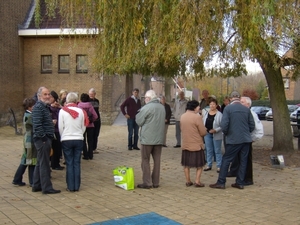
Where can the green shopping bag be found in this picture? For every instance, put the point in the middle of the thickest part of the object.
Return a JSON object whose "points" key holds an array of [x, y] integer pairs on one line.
{"points": [[124, 177]]}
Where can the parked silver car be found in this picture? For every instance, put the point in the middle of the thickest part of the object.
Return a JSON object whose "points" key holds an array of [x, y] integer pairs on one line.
{"points": [[293, 115], [291, 108]]}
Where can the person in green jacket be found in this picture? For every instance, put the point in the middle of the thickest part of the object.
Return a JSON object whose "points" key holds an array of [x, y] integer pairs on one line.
{"points": [[29, 156], [151, 120]]}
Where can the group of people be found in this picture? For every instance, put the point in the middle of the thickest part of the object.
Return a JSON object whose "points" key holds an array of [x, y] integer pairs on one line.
{"points": [[72, 128], [57, 126], [201, 127]]}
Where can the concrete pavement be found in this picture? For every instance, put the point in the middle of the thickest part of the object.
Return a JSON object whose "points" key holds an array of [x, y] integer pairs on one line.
{"points": [[273, 199]]}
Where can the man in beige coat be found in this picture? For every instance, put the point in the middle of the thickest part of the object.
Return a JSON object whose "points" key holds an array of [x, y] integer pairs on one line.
{"points": [[179, 109]]}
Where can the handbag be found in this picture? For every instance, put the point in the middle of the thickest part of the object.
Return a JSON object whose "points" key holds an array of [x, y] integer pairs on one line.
{"points": [[124, 177]]}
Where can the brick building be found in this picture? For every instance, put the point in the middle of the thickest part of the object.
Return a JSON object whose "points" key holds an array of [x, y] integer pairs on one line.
{"points": [[32, 57], [12, 14], [53, 57]]}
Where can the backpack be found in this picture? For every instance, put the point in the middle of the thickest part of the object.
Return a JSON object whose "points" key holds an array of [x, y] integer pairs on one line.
{"points": [[90, 115]]}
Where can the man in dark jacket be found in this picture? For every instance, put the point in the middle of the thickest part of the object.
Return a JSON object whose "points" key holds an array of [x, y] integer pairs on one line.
{"points": [[43, 134], [129, 109], [97, 123], [237, 124], [167, 119]]}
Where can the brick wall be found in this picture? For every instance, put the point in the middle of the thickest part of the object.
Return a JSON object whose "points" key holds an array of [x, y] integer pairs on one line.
{"points": [[109, 89], [12, 13]]}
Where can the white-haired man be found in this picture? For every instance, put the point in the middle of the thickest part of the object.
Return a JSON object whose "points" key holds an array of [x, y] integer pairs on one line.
{"points": [[151, 119], [43, 134], [256, 134], [237, 124]]}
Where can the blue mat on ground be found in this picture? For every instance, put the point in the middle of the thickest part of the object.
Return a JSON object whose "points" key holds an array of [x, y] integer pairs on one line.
{"points": [[145, 219]]}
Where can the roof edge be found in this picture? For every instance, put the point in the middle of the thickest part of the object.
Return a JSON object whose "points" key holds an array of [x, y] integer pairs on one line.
{"points": [[58, 32], [29, 16]]}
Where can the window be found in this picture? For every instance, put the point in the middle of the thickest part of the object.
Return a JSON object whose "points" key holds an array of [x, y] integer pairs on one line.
{"points": [[81, 64], [286, 82], [46, 64], [63, 64]]}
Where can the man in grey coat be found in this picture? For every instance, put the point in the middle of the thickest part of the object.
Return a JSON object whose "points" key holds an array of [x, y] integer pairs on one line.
{"points": [[237, 124], [151, 120]]}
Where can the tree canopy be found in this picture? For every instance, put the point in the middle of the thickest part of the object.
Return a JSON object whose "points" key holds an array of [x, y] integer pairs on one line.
{"points": [[168, 36], [174, 37]]}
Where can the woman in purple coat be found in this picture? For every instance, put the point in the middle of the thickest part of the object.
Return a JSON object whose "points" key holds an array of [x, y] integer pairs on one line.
{"points": [[88, 142]]}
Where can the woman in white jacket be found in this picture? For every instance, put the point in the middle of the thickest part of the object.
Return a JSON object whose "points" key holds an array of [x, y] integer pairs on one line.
{"points": [[213, 139]]}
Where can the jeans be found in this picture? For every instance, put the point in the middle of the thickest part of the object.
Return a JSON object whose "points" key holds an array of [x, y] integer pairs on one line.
{"points": [[213, 147], [72, 152], [18, 178], [231, 152], [133, 129]]}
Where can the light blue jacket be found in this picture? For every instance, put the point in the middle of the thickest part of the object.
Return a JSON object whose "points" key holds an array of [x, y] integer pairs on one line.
{"points": [[216, 124], [151, 119]]}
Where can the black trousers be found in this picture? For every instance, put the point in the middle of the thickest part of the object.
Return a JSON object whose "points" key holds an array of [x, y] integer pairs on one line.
{"points": [[56, 146], [249, 171], [18, 178], [41, 175], [88, 143], [97, 127]]}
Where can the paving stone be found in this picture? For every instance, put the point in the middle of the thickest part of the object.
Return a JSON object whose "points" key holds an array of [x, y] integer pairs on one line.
{"points": [[273, 199]]}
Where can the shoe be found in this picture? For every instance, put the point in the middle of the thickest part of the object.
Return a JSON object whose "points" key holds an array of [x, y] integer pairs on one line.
{"points": [[53, 191], [19, 184], [230, 175], [218, 170], [85, 158], [36, 189], [247, 183], [199, 185], [217, 186], [207, 169], [69, 190], [188, 184], [136, 148], [165, 146], [177, 146], [96, 152], [144, 186], [59, 168], [155, 186], [235, 185], [129, 148]]}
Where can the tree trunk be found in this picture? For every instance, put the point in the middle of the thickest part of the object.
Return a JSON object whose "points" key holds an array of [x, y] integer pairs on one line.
{"points": [[282, 134], [128, 85]]}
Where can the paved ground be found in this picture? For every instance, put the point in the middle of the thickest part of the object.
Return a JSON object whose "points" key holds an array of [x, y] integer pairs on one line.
{"points": [[274, 199]]}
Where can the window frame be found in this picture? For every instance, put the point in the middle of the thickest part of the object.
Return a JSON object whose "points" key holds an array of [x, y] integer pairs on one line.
{"points": [[63, 70], [286, 82], [46, 70], [78, 66]]}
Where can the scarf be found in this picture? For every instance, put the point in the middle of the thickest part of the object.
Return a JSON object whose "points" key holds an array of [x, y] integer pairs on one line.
{"points": [[75, 114]]}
